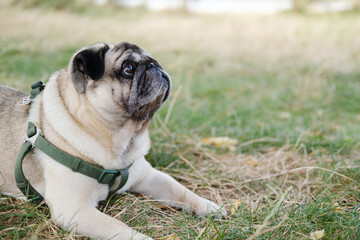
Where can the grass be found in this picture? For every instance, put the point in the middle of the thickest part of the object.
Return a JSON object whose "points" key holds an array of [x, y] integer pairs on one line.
{"points": [[285, 86]]}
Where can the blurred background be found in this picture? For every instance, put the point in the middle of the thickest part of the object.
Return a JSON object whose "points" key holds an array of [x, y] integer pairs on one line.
{"points": [[243, 69], [277, 80], [241, 6]]}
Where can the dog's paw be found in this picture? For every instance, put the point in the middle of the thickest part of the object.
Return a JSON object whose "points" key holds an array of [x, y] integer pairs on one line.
{"points": [[215, 210], [208, 207]]}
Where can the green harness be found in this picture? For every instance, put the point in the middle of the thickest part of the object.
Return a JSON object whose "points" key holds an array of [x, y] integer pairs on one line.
{"points": [[34, 138]]}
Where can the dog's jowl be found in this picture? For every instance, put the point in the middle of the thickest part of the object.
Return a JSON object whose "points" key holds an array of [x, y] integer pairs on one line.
{"points": [[96, 111]]}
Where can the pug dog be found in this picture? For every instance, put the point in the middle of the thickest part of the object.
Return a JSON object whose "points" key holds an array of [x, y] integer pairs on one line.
{"points": [[98, 109]]}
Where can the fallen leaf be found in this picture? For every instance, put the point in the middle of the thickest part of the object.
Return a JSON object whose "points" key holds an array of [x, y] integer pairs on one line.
{"points": [[336, 208], [159, 205], [169, 237], [252, 162], [223, 142], [317, 235]]}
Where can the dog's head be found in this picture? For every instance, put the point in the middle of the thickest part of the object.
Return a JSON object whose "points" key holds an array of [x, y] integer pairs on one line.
{"points": [[120, 79]]}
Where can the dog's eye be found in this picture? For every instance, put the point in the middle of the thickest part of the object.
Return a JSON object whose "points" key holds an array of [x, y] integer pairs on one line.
{"points": [[128, 70]]}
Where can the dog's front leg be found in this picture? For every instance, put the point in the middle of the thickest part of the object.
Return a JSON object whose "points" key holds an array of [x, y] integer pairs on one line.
{"points": [[87, 220], [160, 186], [72, 198]]}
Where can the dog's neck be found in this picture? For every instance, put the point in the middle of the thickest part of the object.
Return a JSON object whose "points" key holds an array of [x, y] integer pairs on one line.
{"points": [[70, 122]]}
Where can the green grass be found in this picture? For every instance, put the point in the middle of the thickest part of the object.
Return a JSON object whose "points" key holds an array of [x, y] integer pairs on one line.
{"points": [[291, 80]]}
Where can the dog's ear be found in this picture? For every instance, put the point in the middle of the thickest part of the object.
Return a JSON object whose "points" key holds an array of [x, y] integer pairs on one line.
{"points": [[88, 63]]}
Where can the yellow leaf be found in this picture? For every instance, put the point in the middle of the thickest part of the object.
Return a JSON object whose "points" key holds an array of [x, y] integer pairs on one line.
{"points": [[337, 208], [169, 237], [159, 205], [252, 162], [335, 205], [317, 235], [235, 206], [224, 142]]}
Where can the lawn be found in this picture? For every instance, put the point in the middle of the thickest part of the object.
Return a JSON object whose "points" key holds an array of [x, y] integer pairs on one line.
{"points": [[285, 86]]}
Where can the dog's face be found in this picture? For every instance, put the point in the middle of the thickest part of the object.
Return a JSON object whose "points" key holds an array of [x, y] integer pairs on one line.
{"points": [[120, 80]]}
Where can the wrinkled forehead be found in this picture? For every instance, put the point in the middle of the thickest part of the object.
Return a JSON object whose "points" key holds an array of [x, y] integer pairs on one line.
{"points": [[127, 51]]}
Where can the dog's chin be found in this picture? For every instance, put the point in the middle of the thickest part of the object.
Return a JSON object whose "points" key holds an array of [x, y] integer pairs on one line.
{"points": [[149, 91], [145, 106]]}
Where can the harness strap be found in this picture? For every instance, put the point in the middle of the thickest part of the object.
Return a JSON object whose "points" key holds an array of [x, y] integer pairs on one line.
{"points": [[36, 89], [21, 182], [34, 138]]}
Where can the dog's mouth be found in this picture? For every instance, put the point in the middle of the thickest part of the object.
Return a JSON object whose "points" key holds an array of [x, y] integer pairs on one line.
{"points": [[150, 88], [167, 80]]}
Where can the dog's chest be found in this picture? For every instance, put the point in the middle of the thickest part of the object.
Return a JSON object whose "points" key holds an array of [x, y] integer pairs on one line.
{"points": [[131, 149]]}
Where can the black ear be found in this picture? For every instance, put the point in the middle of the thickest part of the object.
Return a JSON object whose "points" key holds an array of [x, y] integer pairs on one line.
{"points": [[88, 63]]}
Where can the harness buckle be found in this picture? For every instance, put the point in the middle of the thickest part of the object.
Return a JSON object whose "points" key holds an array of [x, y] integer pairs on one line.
{"points": [[25, 101], [105, 173], [33, 138]]}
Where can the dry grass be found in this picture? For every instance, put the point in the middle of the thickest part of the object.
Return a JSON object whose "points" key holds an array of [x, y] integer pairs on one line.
{"points": [[226, 178]]}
